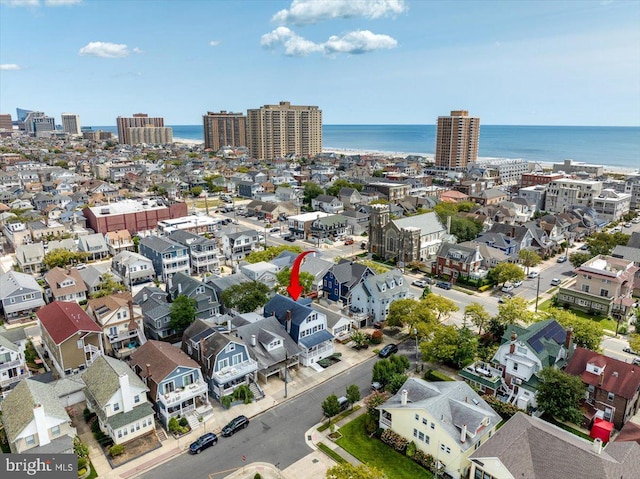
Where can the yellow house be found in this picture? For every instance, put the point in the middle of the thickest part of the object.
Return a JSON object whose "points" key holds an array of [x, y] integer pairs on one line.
{"points": [[446, 419]]}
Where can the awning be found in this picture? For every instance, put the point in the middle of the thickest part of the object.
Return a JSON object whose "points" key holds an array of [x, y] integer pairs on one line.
{"points": [[315, 339]]}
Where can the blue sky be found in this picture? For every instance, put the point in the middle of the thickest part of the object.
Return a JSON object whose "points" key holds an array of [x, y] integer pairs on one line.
{"points": [[360, 61]]}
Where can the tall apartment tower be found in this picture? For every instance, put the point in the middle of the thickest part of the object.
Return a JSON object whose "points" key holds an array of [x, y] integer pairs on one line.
{"points": [[71, 123], [224, 129], [140, 120], [457, 140], [275, 131], [5, 122], [37, 124]]}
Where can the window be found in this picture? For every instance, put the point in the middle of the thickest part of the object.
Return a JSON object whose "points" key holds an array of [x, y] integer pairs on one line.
{"points": [[136, 398], [610, 396], [424, 421], [30, 440], [415, 433], [421, 436], [55, 431], [515, 366], [426, 439], [119, 432], [80, 343], [116, 406], [433, 425], [417, 417], [591, 388]]}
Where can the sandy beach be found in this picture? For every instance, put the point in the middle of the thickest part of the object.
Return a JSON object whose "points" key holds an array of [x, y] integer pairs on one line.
{"points": [[186, 141]]}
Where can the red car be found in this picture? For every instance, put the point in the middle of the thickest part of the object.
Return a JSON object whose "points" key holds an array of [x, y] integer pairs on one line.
{"points": [[348, 241]]}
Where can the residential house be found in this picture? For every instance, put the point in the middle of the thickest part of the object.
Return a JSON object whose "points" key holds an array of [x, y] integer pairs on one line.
{"points": [[225, 361], [35, 422], [339, 282], [316, 267], [270, 346], [30, 257], [119, 399], [286, 193], [630, 253], [121, 324], [357, 221], [455, 261], [445, 419], [512, 374], [603, 286], [331, 227], [156, 313], [94, 245], [300, 225], [263, 272], [528, 447], [249, 189], [205, 296], [20, 296], [70, 338], [490, 196], [222, 283], [119, 240], [13, 368], [176, 386], [527, 236], [328, 204], [46, 230], [613, 387], [350, 197], [203, 252], [65, 285], [94, 275], [612, 206], [236, 246], [415, 238], [133, 267], [168, 257], [307, 327], [375, 293], [67, 243], [16, 233], [341, 325]]}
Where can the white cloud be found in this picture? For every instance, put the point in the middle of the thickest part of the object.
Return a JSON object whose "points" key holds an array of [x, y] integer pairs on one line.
{"points": [[105, 50], [360, 41], [137, 50], [302, 12], [214, 43], [59, 3], [9, 67], [37, 3]]}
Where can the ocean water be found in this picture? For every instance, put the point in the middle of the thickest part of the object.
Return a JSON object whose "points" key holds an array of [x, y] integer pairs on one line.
{"points": [[609, 146]]}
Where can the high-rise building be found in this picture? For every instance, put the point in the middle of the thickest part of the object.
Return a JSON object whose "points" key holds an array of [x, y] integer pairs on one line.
{"points": [[138, 120], [276, 131], [457, 140], [152, 135], [36, 123], [5, 122], [224, 129], [71, 123]]}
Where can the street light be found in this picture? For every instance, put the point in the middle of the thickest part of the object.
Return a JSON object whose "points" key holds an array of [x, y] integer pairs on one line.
{"points": [[415, 331], [537, 293]]}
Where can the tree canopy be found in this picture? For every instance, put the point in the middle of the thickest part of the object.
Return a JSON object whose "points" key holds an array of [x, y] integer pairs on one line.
{"points": [[441, 306], [603, 243], [270, 253], [506, 272], [413, 314], [478, 315], [334, 189], [331, 406], [62, 257], [390, 371], [451, 345], [559, 394], [634, 342], [108, 286], [284, 279], [182, 312], [529, 258], [514, 310], [586, 333], [311, 190], [245, 297]]}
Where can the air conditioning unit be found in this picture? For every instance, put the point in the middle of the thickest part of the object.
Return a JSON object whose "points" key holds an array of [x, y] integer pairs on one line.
{"points": [[518, 381]]}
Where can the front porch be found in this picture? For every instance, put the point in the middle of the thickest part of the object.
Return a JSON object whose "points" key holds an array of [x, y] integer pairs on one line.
{"points": [[181, 401]]}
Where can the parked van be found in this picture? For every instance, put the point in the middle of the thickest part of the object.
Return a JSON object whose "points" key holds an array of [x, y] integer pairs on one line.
{"points": [[344, 403]]}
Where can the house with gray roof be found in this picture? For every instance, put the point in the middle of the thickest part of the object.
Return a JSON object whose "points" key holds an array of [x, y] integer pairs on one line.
{"points": [[328, 204], [168, 257], [445, 419], [119, 399], [30, 257], [94, 246], [222, 283], [20, 296], [204, 294], [529, 447], [35, 421], [236, 246], [331, 227], [375, 293], [630, 253], [156, 313], [340, 280], [13, 368], [132, 267], [262, 271], [203, 252], [67, 243]]}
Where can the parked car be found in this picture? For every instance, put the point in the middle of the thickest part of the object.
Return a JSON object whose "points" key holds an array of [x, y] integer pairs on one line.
{"points": [[507, 288], [388, 350], [555, 282], [420, 283], [504, 297], [348, 241], [274, 230], [290, 239], [627, 225], [584, 247], [235, 425], [533, 275], [630, 351], [561, 259], [376, 386], [203, 442], [363, 245], [379, 324], [517, 284], [443, 285], [636, 361]]}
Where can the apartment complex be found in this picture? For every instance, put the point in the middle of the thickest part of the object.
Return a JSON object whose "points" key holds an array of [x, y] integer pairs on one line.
{"points": [[457, 140], [567, 192], [611, 205], [36, 123], [224, 129], [71, 123], [140, 127], [276, 131], [5, 122]]}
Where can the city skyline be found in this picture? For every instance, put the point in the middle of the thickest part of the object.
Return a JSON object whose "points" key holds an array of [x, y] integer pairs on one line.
{"points": [[367, 62]]}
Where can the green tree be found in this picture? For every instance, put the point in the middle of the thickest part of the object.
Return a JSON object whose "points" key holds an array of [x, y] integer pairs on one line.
{"points": [[506, 272], [603, 243], [576, 259], [413, 314], [377, 173], [443, 307], [559, 394], [478, 316], [634, 342], [270, 253], [376, 267], [464, 228], [586, 333], [334, 189], [346, 470], [331, 406], [196, 191], [311, 190], [373, 400], [514, 310], [284, 279], [529, 258], [62, 257], [108, 286], [136, 243], [385, 369], [182, 312], [451, 345], [395, 382], [353, 394], [245, 297]]}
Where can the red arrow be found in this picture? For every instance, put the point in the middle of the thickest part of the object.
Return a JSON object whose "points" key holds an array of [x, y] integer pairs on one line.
{"points": [[294, 287]]}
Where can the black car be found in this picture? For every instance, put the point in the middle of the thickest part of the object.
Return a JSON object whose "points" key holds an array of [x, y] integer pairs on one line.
{"points": [[388, 350], [203, 442], [235, 425], [443, 285], [290, 239]]}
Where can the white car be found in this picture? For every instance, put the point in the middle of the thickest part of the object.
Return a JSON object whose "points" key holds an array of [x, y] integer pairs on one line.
{"points": [[555, 282], [507, 288], [561, 259], [533, 275], [517, 284], [420, 283]]}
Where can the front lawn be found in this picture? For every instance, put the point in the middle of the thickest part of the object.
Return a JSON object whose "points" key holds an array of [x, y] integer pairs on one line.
{"points": [[374, 452], [606, 323]]}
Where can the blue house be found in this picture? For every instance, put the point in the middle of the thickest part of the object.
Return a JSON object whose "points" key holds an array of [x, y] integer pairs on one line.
{"points": [[225, 361], [339, 281], [168, 257]]}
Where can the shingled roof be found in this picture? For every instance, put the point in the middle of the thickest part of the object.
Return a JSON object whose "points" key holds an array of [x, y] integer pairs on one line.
{"points": [[63, 319]]}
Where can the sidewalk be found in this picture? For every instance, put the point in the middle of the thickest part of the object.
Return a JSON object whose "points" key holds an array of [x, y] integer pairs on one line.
{"points": [[303, 380]]}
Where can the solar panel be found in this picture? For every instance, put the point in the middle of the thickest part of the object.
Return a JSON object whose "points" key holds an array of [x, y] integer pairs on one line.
{"points": [[203, 334], [553, 331]]}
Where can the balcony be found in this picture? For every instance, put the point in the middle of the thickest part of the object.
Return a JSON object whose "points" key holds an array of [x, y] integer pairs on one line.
{"points": [[123, 336], [483, 373], [15, 379], [93, 352], [183, 394], [236, 371], [10, 364]]}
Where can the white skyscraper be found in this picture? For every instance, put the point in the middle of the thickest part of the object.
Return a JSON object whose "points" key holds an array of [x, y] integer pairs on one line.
{"points": [[71, 123]]}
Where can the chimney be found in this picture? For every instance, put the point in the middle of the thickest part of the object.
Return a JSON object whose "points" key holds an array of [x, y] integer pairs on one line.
{"points": [[403, 397], [229, 325], [597, 445], [568, 342], [148, 370], [201, 349], [463, 434], [41, 424], [127, 394], [601, 378], [512, 348], [288, 324], [130, 303], [514, 335], [253, 340]]}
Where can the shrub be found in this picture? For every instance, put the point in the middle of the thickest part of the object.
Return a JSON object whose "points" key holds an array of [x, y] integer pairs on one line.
{"points": [[424, 459], [432, 375], [82, 463], [116, 450], [394, 440], [80, 448], [376, 337], [370, 424], [175, 427], [411, 449], [95, 427], [226, 401], [482, 289], [183, 422], [243, 393], [257, 476], [87, 414], [82, 471]]}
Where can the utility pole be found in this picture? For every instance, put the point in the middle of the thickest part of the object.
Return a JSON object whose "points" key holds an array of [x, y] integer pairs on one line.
{"points": [[537, 293], [286, 371]]}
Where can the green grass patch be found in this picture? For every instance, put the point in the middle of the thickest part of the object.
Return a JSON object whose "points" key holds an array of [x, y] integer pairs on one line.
{"points": [[93, 474], [339, 417], [331, 453], [375, 453], [567, 428], [606, 323]]}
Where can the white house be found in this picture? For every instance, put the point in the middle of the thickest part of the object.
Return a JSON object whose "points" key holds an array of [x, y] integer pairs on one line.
{"points": [[375, 294]]}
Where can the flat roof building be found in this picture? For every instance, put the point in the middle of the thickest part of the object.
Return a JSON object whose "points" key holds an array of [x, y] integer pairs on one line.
{"points": [[457, 140], [71, 123], [224, 129], [138, 120]]}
